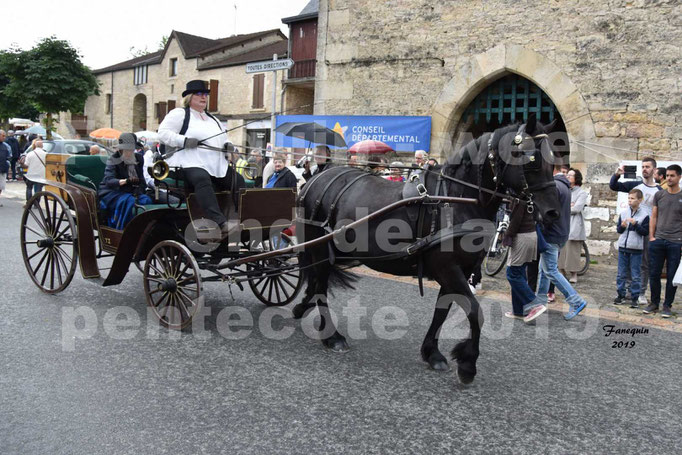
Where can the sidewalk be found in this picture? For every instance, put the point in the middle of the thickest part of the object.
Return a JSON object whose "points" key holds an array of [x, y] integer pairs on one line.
{"points": [[597, 286], [14, 190]]}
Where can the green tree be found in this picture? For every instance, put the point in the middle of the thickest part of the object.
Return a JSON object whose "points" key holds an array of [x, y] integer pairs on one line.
{"points": [[53, 79], [13, 104]]}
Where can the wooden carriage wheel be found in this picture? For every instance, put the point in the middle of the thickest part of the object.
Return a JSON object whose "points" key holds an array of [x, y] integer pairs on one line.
{"points": [[275, 281], [172, 284], [48, 242]]}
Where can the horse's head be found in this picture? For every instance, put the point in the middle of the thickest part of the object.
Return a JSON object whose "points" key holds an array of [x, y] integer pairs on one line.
{"points": [[523, 164]]}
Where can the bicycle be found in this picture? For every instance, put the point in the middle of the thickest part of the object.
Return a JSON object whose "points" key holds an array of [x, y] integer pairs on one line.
{"points": [[496, 256], [584, 256]]}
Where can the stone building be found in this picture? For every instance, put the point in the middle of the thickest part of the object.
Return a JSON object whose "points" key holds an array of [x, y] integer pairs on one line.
{"points": [[137, 94], [605, 70]]}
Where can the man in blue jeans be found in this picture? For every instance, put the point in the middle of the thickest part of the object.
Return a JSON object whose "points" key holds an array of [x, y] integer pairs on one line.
{"points": [[556, 235], [665, 240]]}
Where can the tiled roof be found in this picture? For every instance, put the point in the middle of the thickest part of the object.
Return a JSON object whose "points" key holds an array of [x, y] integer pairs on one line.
{"points": [[148, 59], [232, 40], [192, 45], [262, 53], [308, 12]]}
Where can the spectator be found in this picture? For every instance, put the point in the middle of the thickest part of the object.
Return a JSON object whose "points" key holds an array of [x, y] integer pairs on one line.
{"points": [[633, 226], [659, 177], [556, 236], [282, 177], [5, 154], [396, 172], [321, 161], [420, 158], [648, 188], [16, 153], [665, 237], [433, 162], [94, 150], [35, 163], [569, 259], [353, 161], [521, 237]]}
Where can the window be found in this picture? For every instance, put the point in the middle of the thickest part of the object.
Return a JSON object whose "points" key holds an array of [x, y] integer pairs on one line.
{"points": [[107, 108], [258, 91], [171, 105], [213, 96], [140, 75], [172, 88], [161, 110], [173, 67]]}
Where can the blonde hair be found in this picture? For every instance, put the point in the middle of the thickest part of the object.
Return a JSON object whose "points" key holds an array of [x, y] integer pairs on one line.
{"points": [[186, 100]]}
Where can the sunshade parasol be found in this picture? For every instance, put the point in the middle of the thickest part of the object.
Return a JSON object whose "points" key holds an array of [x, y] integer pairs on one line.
{"points": [[39, 129], [312, 132], [105, 133], [370, 147]]}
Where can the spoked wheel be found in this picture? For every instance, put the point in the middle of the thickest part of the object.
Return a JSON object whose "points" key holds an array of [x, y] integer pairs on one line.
{"points": [[584, 259], [275, 281], [172, 284], [48, 242], [495, 259]]}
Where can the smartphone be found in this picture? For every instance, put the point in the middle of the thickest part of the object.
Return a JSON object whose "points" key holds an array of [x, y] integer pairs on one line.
{"points": [[630, 172]]}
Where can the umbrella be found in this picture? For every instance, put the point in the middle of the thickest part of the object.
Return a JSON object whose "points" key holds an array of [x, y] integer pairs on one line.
{"points": [[105, 133], [312, 132], [39, 129], [148, 136], [370, 147]]}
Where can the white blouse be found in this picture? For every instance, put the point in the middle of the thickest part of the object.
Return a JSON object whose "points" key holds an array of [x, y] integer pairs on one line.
{"points": [[200, 126]]}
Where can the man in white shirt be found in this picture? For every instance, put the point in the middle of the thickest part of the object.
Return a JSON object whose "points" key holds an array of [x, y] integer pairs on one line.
{"points": [[35, 162]]}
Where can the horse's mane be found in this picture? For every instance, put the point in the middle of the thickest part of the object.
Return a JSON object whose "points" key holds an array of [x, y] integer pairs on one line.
{"points": [[467, 151]]}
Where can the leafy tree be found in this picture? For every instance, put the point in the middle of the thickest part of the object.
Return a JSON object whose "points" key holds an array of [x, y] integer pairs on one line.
{"points": [[53, 79], [13, 104]]}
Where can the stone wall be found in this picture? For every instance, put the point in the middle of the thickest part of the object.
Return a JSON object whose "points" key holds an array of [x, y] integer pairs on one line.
{"points": [[609, 67]]}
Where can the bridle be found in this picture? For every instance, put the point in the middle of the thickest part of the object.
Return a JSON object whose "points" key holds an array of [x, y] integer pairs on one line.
{"points": [[499, 171]]}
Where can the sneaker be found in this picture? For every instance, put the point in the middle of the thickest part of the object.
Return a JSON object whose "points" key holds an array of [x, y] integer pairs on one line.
{"points": [[534, 313], [634, 304], [575, 310], [666, 312], [551, 298], [511, 315], [650, 309], [619, 300], [642, 300]]}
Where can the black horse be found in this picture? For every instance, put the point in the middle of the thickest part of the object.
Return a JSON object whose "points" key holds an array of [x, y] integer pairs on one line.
{"points": [[515, 161]]}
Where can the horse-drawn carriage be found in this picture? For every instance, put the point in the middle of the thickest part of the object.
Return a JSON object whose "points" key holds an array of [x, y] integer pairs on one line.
{"points": [[64, 226]]}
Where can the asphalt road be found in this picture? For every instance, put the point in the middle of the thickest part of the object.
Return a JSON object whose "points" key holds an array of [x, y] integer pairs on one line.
{"points": [[557, 387]]}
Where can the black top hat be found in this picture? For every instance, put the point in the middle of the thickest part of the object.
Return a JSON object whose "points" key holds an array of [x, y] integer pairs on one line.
{"points": [[195, 86]]}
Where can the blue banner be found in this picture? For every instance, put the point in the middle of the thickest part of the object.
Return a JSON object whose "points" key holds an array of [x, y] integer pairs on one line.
{"points": [[402, 134]]}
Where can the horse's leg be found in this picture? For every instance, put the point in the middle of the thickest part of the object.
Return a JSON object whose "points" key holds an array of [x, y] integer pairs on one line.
{"points": [[429, 350], [307, 303], [453, 281], [331, 338]]}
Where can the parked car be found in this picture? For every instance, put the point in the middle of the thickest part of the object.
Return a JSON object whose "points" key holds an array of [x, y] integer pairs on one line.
{"points": [[67, 147]]}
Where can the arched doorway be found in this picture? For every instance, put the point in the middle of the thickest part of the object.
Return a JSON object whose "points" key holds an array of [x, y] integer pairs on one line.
{"points": [[510, 99], [139, 112]]}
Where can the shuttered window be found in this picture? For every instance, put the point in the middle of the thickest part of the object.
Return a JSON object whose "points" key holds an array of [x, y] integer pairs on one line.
{"points": [[161, 110], [258, 91], [171, 105], [213, 96]]}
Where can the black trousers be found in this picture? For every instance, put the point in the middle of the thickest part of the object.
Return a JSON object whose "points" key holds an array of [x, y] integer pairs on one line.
{"points": [[202, 184]]}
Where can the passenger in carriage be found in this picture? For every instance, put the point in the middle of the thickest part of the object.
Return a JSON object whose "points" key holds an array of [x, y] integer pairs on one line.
{"points": [[206, 169], [123, 184], [282, 177]]}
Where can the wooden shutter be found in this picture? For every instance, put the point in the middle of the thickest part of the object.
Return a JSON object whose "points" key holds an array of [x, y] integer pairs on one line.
{"points": [[162, 111], [213, 97], [258, 91], [171, 105]]}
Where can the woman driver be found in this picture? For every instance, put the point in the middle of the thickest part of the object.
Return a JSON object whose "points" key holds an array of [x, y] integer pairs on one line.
{"points": [[202, 168]]}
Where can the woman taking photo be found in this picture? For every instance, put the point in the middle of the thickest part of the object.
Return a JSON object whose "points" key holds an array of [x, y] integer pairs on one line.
{"points": [[200, 137], [569, 258]]}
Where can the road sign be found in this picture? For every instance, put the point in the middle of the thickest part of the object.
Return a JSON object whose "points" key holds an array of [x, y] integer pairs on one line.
{"points": [[269, 65]]}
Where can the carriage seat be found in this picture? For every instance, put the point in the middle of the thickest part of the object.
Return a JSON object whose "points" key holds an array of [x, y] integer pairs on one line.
{"points": [[86, 170]]}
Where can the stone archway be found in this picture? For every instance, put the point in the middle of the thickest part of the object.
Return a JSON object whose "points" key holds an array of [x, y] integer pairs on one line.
{"points": [[139, 112], [480, 70]]}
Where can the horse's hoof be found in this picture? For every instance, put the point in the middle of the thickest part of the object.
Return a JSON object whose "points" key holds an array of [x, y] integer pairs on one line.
{"points": [[339, 346], [465, 377], [441, 365]]}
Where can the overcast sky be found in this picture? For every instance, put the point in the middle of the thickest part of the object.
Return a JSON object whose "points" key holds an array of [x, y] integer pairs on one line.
{"points": [[103, 32]]}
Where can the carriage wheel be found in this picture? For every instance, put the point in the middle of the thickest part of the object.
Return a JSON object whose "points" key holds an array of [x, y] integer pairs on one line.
{"points": [[48, 242], [275, 281], [172, 284]]}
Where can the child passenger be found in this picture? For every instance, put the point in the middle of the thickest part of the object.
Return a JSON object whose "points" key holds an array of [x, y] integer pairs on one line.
{"points": [[633, 225]]}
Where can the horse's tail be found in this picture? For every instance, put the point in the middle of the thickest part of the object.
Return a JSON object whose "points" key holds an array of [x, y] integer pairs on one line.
{"points": [[338, 277]]}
